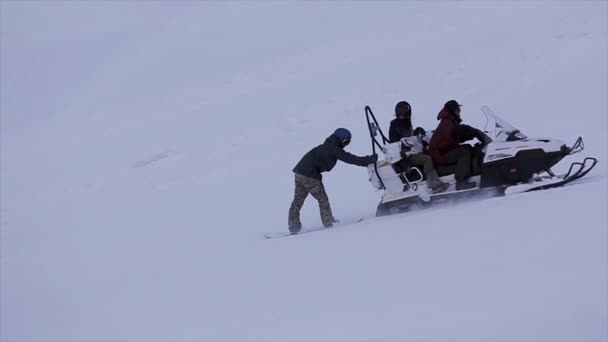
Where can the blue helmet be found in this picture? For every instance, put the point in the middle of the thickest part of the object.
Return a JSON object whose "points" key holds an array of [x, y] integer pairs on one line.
{"points": [[342, 133]]}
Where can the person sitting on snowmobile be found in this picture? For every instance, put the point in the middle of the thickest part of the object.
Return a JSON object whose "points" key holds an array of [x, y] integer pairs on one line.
{"points": [[401, 127], [445, 146], [308, 177]]}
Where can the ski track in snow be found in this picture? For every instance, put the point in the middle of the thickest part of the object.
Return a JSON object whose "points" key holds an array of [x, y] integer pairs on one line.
{"points": [[142, 162]]}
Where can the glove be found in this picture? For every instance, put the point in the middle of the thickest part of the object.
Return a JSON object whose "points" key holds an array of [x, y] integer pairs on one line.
{"points": [[483, 138], [405, 147], [486, 139], [373, 158]]}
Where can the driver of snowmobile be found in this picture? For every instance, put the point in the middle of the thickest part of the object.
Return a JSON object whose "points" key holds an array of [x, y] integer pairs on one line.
{"points": [[400, 128], [308, 177], [446, 145]]}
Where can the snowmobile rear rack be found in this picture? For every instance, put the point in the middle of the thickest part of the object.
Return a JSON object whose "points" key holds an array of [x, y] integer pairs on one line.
{"points": [[374, 128]]}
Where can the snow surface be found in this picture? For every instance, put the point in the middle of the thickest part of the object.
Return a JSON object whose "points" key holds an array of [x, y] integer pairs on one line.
{"points": [[147, 146]]}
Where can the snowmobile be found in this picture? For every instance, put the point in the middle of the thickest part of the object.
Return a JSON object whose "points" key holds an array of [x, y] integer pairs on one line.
{"points": [[511, 163]]}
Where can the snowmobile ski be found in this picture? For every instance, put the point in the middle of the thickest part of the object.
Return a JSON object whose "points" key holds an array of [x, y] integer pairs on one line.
{"points": [[577, 171]]}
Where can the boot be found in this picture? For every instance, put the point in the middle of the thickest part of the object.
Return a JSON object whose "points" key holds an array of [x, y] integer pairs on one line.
{"points": [[295, 228], [331, 224], [438, 187], [464, 185], [435, 184]]}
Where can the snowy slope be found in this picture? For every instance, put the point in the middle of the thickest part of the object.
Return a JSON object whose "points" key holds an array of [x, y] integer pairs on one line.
{"points": [[147, 146]]}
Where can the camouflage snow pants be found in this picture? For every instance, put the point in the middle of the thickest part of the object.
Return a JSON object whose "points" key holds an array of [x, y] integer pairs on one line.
{"points": [[304, 186]]}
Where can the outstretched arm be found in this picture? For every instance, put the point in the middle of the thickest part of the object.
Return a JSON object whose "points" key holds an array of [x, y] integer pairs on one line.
{"points": [[465, 132], [355, 160]]}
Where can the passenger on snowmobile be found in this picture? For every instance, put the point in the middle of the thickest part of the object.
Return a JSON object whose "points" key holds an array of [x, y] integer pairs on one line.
{"points": [[445, 146], [308, 177], [401, 128]]}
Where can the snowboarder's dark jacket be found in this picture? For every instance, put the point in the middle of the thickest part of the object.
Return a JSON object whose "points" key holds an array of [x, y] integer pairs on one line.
{"points": [[323, 158], [400, 128], [450, 133]]}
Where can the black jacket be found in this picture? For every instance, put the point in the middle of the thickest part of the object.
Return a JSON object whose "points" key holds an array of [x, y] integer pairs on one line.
{"points": [[400, 128], [323, 158]]}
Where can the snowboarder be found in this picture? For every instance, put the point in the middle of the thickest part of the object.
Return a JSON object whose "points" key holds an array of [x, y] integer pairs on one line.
{"points": [[445, 146], [308, 177], [401, 127]]}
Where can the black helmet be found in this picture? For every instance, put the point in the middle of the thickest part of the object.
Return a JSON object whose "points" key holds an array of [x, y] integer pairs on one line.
{"points": [[403, 110]]}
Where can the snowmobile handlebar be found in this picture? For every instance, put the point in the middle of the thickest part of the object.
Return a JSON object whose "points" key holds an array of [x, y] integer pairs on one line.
{"points": [[577, 147]]}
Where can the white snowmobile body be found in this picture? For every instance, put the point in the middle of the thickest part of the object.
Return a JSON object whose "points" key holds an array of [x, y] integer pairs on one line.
{"points": [[510, 161]]}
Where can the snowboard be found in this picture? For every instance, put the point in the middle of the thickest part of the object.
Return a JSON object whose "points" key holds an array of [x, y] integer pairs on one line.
{"points": [[275, 235]]}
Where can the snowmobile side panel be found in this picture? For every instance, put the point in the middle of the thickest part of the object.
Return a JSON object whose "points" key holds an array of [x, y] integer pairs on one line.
{"points": [[519, 168]]}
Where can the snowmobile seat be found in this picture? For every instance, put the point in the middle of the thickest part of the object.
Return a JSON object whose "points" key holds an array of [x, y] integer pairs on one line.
{"points": [[450, 169], [476, 162]]}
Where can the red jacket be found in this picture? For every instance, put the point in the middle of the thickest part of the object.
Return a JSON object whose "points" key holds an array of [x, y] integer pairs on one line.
{"points": [[444, 139]]}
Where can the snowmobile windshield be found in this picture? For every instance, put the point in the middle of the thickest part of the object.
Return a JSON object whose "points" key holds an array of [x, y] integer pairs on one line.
{"points": [[499, 129]]}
